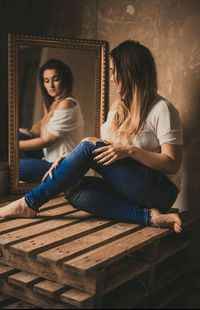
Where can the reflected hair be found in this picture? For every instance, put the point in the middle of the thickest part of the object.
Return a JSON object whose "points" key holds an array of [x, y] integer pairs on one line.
{"points": [[65, 75], [135, 73]]}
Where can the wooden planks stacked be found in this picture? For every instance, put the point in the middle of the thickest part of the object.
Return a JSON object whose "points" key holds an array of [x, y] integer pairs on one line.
{"points": [[79, 257], [41, 292]]}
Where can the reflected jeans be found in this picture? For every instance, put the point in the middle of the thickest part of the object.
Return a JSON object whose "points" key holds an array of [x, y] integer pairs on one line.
{"points": [[32, 170], [126, 191], [31, 165]]}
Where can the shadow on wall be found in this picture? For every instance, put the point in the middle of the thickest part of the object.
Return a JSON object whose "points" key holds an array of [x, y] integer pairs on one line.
{"points": [[192, 140]]}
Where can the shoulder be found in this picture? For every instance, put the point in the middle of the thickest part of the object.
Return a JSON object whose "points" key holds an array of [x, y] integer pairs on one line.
{"points": [[114, 106], [67, 103], [163, 106], [164, 115]]}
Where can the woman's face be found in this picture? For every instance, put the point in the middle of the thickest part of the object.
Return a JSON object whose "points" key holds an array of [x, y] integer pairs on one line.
{"points": [[52, 82], [113, 77]]}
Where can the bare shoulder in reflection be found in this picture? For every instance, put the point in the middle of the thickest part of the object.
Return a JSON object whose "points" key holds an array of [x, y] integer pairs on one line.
{"points": [[60, 129]]}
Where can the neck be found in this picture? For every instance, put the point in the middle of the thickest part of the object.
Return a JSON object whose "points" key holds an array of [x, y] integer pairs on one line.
{"points": [[62, 96]]}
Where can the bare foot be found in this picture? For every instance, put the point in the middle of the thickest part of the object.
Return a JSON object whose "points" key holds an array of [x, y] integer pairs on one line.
{"points": [[17, 208], [170, 220]]}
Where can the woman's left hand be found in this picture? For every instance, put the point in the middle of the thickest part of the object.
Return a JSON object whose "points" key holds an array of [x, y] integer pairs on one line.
{"points": [[108, 154]]}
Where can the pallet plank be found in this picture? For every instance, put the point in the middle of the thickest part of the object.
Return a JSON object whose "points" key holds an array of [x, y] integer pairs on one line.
{"points": [[24, 279], [50, 272], [50, 288], [76, 298], [56, 211], [38, 229], [6, 271], [55, 238], [35, 288], [114, 251], [111, 253], [85, 243], [12, 224], [90, 256], [28, 295]]}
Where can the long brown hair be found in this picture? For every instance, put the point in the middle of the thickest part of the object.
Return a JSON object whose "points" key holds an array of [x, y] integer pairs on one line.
{"points": [[64, 73], [67, 80], [136, 73]]}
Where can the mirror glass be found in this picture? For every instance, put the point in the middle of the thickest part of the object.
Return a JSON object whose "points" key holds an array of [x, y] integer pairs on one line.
{"points": [[88, 61]]}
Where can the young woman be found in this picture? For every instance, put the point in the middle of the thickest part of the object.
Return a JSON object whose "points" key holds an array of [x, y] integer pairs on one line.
{"points": [[61, 128], [138, 156]]}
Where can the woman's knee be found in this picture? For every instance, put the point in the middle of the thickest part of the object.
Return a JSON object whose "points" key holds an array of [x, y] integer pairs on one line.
{"points": [[82, 199], [89, 144], [92, 140], [72, 197]]}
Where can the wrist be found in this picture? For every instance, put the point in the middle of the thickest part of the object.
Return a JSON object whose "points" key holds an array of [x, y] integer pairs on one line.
{"points": [[131, 150]]}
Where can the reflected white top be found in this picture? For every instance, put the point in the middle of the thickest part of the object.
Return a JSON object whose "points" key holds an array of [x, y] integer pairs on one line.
{"points": [[68, 125], [163, 125]]}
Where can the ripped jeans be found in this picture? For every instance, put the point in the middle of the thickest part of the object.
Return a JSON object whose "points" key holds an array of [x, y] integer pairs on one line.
{"points": [[126, 191]]}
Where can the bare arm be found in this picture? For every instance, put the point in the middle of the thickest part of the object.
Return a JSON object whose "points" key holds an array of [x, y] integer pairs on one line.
{"points": [[35, 129], [37, 143], [48, 139], [168, 161]]}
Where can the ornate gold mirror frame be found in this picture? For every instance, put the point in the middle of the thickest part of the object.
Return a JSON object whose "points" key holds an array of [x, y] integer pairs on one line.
{"points": [[89, 61]]}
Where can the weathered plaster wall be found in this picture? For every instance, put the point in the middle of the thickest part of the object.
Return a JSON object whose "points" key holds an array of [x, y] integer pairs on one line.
{"points": [[171, 29]]}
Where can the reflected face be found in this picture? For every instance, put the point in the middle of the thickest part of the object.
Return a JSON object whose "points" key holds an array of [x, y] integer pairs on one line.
{"points": [[113, 77], [52, 82]]}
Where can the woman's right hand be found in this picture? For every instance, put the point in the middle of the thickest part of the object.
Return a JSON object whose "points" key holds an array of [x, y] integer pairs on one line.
{"points": [[49, 173], [25, 131]]}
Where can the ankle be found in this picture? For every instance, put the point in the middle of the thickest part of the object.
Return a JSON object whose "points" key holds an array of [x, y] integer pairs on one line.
{"points": [[24, 210], [31, 213], [23, 202], [153, 215]]}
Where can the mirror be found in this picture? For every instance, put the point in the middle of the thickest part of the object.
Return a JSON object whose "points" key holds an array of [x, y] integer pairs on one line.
{"points": [[88, 60]]}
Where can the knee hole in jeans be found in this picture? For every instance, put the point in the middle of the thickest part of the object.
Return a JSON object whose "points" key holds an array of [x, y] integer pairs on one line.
{"points": [[92, 140]]}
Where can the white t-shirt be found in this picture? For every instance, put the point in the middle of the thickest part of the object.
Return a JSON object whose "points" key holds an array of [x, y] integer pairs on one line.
{"points": [[163, 125], [68, 125]]}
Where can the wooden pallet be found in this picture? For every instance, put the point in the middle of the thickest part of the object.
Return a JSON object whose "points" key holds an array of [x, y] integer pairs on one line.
{"points": [[172, 277], [41, 292], [94, 255], [47, 294]]}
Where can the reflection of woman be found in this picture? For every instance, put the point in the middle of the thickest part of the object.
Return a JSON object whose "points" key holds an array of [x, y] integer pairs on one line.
{"points": [[139, 165], [61, 128]]}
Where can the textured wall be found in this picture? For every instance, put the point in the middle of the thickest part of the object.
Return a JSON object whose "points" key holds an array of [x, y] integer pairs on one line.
{"points": [[171, 29]]}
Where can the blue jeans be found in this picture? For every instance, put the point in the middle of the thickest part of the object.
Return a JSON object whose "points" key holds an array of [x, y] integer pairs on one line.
{"points": [[127, 191], [31, 165], [32, 170], [31, 154]]}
